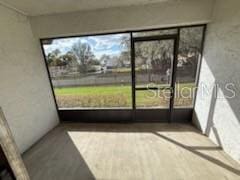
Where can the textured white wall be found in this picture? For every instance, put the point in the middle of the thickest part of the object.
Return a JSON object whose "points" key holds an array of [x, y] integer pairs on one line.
{"points": [[124, 18], [25, 93], [219, 117]]}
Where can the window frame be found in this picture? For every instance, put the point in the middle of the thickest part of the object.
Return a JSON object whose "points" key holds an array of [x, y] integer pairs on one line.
{"points": [[65, 113]]}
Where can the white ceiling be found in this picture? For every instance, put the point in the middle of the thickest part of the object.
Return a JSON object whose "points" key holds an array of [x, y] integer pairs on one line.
{"points": [[41, 7]]}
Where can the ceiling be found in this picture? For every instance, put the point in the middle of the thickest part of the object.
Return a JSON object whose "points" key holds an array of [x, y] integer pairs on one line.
{"points": [[41, 7]]}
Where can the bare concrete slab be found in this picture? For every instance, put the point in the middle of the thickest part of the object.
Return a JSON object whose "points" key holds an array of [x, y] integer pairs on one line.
{"points": [[128, 151]]}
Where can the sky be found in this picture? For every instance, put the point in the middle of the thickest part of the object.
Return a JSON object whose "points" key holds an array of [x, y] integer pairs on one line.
{"points": [[104, 44]]}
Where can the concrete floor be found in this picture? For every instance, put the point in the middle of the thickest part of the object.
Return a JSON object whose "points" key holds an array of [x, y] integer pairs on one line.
{"points": [[128, 152]]}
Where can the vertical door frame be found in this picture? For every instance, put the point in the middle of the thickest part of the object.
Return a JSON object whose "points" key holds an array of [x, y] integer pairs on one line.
{"points": [[175, 39]]}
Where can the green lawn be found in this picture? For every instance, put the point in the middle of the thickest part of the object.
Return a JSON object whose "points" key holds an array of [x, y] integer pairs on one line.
{"points": [[92, 90], [116, 96]]}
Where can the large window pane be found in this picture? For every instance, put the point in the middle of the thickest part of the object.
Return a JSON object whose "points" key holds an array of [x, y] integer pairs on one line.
{"points": [[187, 66], [91, 71]]}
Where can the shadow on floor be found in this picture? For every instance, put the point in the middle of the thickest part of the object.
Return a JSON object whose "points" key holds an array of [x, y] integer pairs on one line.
{"points": [[193, 149], [43, 159]]}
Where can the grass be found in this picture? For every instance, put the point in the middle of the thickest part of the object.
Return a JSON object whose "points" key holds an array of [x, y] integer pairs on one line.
{"points": [[117, 96], [94, 96], [92, 90]]}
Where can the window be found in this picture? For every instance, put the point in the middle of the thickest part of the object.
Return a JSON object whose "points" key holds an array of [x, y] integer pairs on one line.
{"points": [[91, 71], [96, 72], [189, 55]]}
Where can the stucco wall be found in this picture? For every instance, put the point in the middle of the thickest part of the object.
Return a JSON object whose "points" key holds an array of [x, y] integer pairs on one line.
{"points": [[162, 14], [219, 116], [25, 93]]}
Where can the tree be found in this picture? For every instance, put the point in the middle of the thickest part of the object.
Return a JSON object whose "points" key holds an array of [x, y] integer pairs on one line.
{"points": [[125, 54], [190, 40], [93, 62], [69, 58], [50, 58], [123, 58], [156, 54], [190, 47], [84, 55], [104, 59], [53, 58], [125, 42], [56, 52]]}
